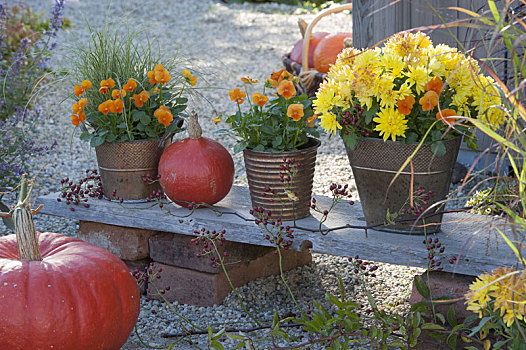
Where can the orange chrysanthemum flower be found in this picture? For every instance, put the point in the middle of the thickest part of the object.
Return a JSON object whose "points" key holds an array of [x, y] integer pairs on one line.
{"points": [[237, 95], [130, 86], [163, 115], [117, 106], [286, 89], [75, 120], [406, 105], [429, 101], [140, 99], [86, 84], [435, 85], [295, 111], [445, 115], [259, 99], [104, 107], [79, 90]]}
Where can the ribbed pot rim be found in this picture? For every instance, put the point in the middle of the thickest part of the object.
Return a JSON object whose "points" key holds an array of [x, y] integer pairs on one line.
{"points": [[130, 142], [315, 145], [399, 144]]}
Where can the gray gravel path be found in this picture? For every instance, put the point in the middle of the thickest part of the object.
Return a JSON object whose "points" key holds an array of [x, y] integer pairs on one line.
{"points": [[224, 42]]}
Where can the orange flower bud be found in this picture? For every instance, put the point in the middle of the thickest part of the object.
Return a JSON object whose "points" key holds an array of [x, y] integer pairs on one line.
{"points": [[216, 120], [82, 116]]}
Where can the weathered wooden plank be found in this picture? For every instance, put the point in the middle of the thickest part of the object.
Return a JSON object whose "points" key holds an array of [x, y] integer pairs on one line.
{"points": [[466, 236]]}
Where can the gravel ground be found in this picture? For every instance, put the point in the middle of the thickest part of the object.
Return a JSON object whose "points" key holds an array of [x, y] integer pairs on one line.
{"points": [[224, 42]]}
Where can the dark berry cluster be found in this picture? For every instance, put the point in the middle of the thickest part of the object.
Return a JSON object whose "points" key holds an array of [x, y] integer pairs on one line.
{"points": [[270, 193], [207, 239], [420, 202], [288, 170], [277, 234], [355, 121], [147, 277], [157, 196], [339, 193], [363, 267], [435, 252], [78, 193], [149, 179]]}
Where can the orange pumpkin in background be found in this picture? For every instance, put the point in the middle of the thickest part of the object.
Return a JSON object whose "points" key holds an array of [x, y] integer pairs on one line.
{"points": [[297, 51], [327, 51]]}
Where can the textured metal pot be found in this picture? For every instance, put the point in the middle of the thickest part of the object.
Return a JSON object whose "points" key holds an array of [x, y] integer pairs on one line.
{"points": [[263, 170], [374, 164], [121, 166]]}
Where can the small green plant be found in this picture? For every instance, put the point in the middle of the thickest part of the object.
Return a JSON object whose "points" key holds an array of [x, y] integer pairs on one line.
{"points": [[281, 124]]}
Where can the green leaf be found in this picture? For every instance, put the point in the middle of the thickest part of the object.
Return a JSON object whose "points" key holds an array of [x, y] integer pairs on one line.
{"points": [[145, 119], [411, 138], [452, 341], [85, 136], [349, 140], [96, 141], [239, 146], [431, 326], [421, 287], [277, 141], [420, 307], [371, 113], [451, 317], [216, 345], [441, 318], [181, 100], [481, 324], [136, 115], [438, 148]]}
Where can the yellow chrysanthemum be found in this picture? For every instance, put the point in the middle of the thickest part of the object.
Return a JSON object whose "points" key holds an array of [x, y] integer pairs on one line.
{"points": [[390, 123], [329, 123], [417, 76], [326, 99], [394, 63]]}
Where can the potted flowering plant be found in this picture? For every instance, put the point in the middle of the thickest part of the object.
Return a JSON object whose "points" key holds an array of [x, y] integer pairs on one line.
{"points": [[277, 137], [127, 105], [388, 103]]}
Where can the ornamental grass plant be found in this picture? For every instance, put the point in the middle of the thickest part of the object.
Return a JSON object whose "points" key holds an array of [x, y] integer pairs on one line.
{"points": [[123, 88], [409, 90], [281, 124]]}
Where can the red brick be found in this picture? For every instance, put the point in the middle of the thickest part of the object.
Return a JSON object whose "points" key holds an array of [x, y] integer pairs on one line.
{"points": [[125, 242], [205, 289], [178, 250]]}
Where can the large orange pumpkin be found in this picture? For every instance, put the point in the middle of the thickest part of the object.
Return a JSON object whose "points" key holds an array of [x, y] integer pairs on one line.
{"points": [[196, 169], [328, 49], [58, 292], [297, 51]]}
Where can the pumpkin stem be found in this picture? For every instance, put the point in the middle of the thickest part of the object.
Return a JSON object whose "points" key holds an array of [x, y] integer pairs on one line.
{"points": [[194, 129], [25, 231]]}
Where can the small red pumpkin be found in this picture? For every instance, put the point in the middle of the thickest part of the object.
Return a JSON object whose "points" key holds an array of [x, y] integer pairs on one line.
{"points": [[328, 49], [297, 51], [196, 169], [58, 292]]}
